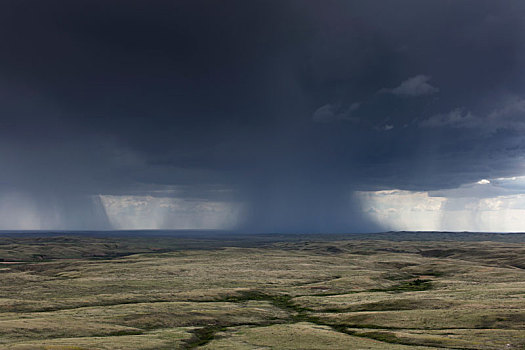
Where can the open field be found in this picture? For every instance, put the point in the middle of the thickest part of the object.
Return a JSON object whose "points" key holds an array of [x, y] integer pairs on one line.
{"points": [[384, 291]]}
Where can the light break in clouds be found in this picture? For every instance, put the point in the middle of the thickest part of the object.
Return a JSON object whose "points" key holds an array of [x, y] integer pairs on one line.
{"points": [[489, 206]]}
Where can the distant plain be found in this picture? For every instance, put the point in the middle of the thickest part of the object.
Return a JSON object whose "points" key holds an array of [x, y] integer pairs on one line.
{"points": [[156, 290]]}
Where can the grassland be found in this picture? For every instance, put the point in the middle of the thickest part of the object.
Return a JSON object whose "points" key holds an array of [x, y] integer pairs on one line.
{"points": [[388, 291]]}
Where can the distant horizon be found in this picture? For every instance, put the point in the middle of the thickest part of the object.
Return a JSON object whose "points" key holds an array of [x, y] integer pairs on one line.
{"points": [[253, 233]]}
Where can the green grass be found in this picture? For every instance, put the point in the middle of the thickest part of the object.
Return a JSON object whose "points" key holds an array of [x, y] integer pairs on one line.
{"points": [[269, 291]]}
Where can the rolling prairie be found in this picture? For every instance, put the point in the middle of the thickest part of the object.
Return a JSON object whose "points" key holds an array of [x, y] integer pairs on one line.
{"points": [[382, 291]]}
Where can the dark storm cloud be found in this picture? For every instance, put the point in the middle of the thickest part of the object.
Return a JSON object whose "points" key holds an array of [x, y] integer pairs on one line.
{"points": [[271, 103]]}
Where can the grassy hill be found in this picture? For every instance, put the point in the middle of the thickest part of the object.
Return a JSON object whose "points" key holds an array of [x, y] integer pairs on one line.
{"points": [[384, 291]]}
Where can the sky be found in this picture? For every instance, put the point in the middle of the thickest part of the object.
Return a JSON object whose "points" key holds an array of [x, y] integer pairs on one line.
{"points": [[262, 116]]}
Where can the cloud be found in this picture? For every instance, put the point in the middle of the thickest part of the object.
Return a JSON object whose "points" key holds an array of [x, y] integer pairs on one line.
{"points": [[487, 205], [27, 211], [131, 116], [508, 116], [402, 210], [332, 112], [413, 87], [147, 212], [457, 118]]}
